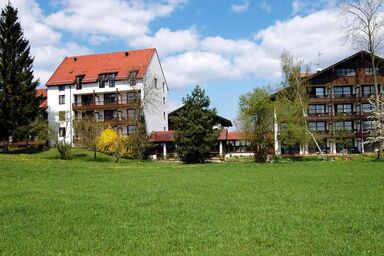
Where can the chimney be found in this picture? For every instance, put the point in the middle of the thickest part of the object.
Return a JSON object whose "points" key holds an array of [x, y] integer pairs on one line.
{"points": [[126, 54], [74, 59]]}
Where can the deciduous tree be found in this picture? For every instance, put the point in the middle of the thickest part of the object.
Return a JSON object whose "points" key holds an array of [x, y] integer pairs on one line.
{"points": [[256, 120]]}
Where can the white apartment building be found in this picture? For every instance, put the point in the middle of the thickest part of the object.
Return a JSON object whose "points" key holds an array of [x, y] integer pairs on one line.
{"points": [[112, 88]]}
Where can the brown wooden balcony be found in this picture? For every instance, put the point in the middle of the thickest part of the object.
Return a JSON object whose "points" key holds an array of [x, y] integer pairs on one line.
{"points": [[105, 105], [319, 98], [113, 121], [319, 116]]}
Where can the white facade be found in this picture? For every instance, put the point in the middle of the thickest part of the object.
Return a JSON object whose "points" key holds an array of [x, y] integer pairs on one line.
{"points": [[153, 94]]}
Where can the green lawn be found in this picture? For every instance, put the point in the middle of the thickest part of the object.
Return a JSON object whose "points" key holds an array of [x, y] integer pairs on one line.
{"points": [[51, 206]]}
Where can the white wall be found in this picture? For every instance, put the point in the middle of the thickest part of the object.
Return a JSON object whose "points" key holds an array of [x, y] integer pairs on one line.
{"points": [[154, 113]]}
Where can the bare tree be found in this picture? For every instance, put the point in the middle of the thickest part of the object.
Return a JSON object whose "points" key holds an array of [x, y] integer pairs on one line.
{"points": [[292, 103], [87, 131], [364, 26], [60, 141], [377, 126]]}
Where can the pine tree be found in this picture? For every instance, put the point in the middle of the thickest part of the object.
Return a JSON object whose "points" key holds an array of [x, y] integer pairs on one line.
{"points": [[19, 104], [194, 134]]}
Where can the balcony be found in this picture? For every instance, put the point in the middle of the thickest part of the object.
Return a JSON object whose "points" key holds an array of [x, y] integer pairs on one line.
{"points": [[113, 120], [345, 115], [105, 105], [319, 116], [318, 98]]}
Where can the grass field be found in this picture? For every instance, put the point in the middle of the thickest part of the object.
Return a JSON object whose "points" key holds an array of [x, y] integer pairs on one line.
{"points": [[50, 206]]}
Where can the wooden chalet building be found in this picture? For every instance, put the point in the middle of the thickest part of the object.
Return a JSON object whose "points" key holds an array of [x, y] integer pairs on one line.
{"points": [[339, 108]]}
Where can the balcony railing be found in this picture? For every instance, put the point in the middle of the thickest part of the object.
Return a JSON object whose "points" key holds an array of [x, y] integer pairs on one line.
{"points": [[99, 104], [113, 120]]}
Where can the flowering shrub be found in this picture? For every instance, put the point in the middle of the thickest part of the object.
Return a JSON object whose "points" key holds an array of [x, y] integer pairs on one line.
{"points": [[111, 142]]}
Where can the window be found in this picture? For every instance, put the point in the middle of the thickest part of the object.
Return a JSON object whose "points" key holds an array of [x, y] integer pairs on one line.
{"points": [[316, 126], [368, 90], [86, 99], [163, 100], [61, 131], [61, 87], [110, 114], [345, 72], [133, 77], [61, 99], [131, 129], [78, 82], [343, 108], [109, 98], [344, 126], [366, 107], [316, 109], [132, 114], [367, 125], [132, 97], [319, 92], [163, 86], [369, 71], [155, 82], [108, 78], [342, 91], [164, 115], [61, 115]]}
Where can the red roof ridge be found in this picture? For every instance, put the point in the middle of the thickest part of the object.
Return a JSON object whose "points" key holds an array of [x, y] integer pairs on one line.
{"points": [[92, 65]]}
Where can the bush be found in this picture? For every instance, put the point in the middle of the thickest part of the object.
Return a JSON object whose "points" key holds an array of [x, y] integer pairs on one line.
{"points": [[65, 150]]}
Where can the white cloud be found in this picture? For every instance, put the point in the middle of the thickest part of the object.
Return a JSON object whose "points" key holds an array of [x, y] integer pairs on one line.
{"points": [[241, 7], [217, 58], [266, 7], [297, 5], [169, 42], [113, 19], [188, 57]]}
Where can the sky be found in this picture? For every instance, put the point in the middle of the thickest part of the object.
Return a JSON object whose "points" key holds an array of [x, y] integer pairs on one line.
{"points": [[228, 47]]}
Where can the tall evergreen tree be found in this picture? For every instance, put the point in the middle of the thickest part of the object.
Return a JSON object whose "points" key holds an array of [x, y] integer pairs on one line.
{"points": [[194, 134], [19, 104]]}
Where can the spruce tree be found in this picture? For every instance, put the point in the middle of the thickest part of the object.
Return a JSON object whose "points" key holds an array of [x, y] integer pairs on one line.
{"points": [[19, 104], [194, 134]]}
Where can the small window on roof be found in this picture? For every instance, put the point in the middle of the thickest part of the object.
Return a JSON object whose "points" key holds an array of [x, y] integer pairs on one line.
{"points": [[78, 82], [133, 77]]}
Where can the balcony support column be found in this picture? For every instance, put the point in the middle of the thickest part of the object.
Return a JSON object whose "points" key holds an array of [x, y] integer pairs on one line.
{"points": [[165, 150]]}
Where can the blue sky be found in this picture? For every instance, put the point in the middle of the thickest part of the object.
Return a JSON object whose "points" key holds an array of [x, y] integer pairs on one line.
{"points": [[228, 47]]}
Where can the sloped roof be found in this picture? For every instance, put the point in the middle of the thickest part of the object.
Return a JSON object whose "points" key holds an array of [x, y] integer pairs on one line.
{"points": [[42, 92], [359, 53], [92, 65], [162, 136], [236, 135], [223, 121]]}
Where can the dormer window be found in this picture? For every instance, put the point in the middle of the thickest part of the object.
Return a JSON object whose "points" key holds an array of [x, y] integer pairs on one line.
{"points": [[78, 82], [108, 78], [133, 77]]}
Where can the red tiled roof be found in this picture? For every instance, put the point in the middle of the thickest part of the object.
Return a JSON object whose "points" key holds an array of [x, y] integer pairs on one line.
{"points": [[162, 136], [93, 65], [223, 135], [167, 136], [42, 92], [236, 135]]}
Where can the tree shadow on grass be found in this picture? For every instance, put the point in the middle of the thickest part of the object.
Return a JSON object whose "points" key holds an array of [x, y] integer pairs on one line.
{"points": [[26, 150]]}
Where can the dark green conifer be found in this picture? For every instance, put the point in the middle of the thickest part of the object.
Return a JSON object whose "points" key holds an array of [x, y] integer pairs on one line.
{"points": [[19, 104]]}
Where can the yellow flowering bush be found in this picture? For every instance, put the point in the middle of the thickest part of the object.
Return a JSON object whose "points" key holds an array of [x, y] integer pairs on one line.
{"points": [[111, 142]]}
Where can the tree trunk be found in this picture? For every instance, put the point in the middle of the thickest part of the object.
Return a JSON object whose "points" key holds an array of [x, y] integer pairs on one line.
{"points": [[5, 145], [94, 153]]}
